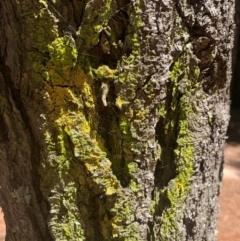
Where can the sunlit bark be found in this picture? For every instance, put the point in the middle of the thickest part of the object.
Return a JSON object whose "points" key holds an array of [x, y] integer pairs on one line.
{"points": [[113, 118]]}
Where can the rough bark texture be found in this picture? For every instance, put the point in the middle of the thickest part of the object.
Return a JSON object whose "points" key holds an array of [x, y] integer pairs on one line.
{"points": [[113, 118]]}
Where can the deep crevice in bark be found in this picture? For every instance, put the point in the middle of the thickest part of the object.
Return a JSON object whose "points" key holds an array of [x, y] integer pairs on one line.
{"points": [[166, 137], [119, 23], [108, 129]]}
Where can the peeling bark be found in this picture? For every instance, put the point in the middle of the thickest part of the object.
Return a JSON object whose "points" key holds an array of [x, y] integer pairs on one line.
{"points": [[113, 118]]}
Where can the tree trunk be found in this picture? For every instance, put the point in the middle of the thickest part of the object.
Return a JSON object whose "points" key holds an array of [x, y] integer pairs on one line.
{"points": [[113, 118]]}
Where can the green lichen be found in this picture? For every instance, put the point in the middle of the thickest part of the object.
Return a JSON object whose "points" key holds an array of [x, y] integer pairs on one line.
{"points": [[197, 72], [97, 15], [125, 126], [178, 187], [184, 78], [78, 166], [69, 134], [73, 126], [132, 168], [126, 82], [170, 200], [123, 209], [64, 227], [135, 187], [162, 111], [63, 58], [104, 72]]}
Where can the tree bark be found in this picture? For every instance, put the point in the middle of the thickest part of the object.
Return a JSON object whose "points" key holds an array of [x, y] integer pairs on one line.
{"points": [[113, 118]]}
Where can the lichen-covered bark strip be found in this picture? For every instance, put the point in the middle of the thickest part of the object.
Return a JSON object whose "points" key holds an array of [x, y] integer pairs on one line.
{"points": [[124, 107], [199, 86], [209, 119]]}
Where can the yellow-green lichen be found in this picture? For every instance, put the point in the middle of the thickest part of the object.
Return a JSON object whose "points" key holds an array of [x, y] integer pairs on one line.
{"points": [[178, 187], [197, 72], [104, 72], [97, 15], [62, 58], [135, 187], [124, 126], [78, 157], [74, 126], [162, 111]]}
